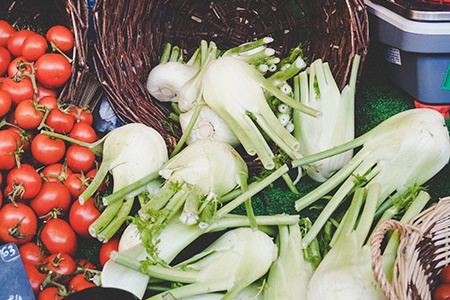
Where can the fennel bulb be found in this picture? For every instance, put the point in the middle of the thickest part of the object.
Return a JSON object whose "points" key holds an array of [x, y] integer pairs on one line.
{"points": [[346, 271], [231, 263], [290, 273], [251, 292], [235, 91], [130, 152], [129, 238], [118, 276], [208, 125], [195, 178], [165, 80], [403, 151], [335, 127]]}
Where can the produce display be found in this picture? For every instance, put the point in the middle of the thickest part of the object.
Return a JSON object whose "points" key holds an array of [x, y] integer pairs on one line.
{"points": [[181, 223]]}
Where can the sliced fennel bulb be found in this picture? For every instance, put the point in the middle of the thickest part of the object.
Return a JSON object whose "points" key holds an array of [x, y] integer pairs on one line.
{"points": [[334, 127]]}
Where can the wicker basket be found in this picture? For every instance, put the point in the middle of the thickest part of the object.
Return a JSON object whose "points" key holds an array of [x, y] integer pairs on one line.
{"points": [[130, 36], [423, 251], [40, 16]]}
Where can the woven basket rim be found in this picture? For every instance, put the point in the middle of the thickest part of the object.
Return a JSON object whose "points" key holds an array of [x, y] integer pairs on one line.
{"points": [[419, 259]]}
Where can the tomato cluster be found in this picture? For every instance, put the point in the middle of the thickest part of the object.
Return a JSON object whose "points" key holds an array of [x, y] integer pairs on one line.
{"points": [[41, 177]]}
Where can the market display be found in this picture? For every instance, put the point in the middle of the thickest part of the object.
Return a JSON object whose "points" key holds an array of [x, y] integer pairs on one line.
{"points": [[179, 222]]}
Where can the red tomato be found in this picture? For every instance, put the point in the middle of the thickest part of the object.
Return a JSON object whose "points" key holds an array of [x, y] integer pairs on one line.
{"points": [[60, 121], [85, 264], [81, 114], [43, 92], [80, 159], [61, 264], [53, 70], [35, 277], [25, 181], [28, 115], [81, 216], [34, 46], [445, 274], [56, 172], [84, 132], [49, 101], [19, 66], [61, 36], [106, 249], [22, 137], [79, 283], [47, 150], [442, 292], [50, 293], [58, 237], [18, 90], [76, 183], [5, 103], [18, 225], [8, 150], [5, 60], [5, 32], [16, 40], [32, 254], [52, 195]]}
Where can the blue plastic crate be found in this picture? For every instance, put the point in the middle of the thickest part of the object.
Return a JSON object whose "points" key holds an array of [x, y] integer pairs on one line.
{"points": [[416, 53]]}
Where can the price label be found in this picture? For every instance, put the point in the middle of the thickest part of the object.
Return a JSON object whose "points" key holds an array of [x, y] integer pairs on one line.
{"points": [[14, 283]]}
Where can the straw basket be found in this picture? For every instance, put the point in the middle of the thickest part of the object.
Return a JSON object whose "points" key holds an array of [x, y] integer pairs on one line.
{"points": [[40, 16], [130, 37], [423, 251]]}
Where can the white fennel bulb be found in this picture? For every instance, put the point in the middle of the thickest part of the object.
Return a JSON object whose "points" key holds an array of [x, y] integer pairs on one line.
{"points": [[208, 125], [319, 90], [165, 81], [235, 90]]}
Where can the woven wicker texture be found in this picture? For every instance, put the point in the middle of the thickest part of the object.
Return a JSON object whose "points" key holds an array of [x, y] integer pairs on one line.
{"points": [[422, 253], [130, 37], [40, 16]]}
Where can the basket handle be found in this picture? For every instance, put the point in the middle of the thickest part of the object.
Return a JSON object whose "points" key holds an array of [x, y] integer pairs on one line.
{"points": [[375, 249]]}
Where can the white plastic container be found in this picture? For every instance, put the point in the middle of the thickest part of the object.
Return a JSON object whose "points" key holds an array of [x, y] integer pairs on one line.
{"points": [[417, 53]]}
